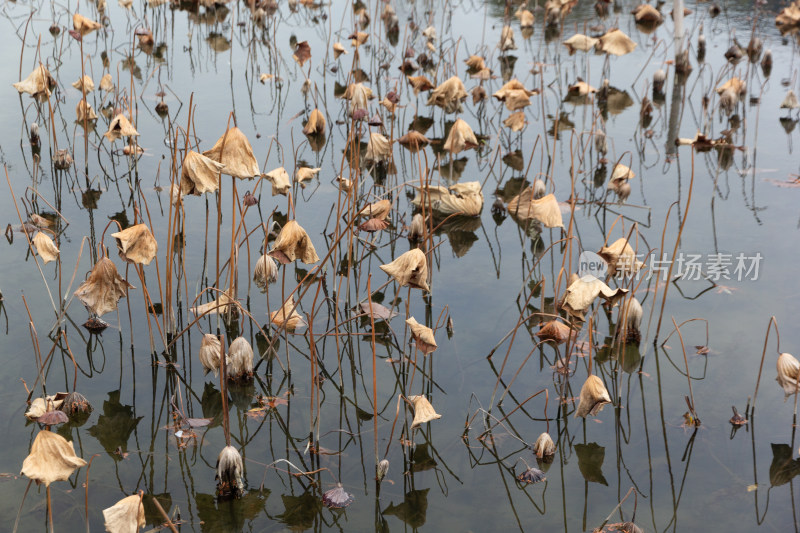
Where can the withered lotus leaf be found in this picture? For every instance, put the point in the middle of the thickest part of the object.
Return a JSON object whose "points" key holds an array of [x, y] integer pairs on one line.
{"points": [[526, 18], [304, 174], [532, 475], [120, 127], [620, 176], [279, 179], [233, 150], [52, 458], [515, 121], [411, 268], [125, 516], [544, 446], [507, 39], [302, 52], [615, 42], [514, 95], [103, 288], [581, 88], [315, 124], [790, 101], [580, 42], [420, 83], [84, 111], [294, 243], [423, 336], [582, 292], [45, 247], [107, 83], [37, 84], [223, 304], [338, 49], [460, 138], [594, 396], [620, 257], [646, 13], [84, 83], [199, 174], [413, 141], [556, 331], [210, 353], [475, 63], [287, 315], [449, 95], [40, 406], [358, 38], [737, 85], [525, 207], [337, 498], [379, 209], [239, 359], [462, 198], [788, 373], [379, 148], [359, 96], [423, 411], [372, 225], [83, 25], [136, 244], [788, 17], [478, 94], [266, 272]]}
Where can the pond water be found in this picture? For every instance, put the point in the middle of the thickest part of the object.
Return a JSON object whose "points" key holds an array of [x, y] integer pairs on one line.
{"points": [[492, 278]]}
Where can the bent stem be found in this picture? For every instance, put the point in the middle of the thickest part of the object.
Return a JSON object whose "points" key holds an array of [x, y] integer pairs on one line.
{"points": [[772, 322]]}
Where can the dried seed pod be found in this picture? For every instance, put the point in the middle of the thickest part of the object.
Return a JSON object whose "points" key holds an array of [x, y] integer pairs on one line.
{"points": [[381, 469], [62, 159], [75, 403], [229, 473], [239, 360], [532, 475], [788, 373], [210, 353], [266, 272], [659, 78], [417, 228], [594, 396]]}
